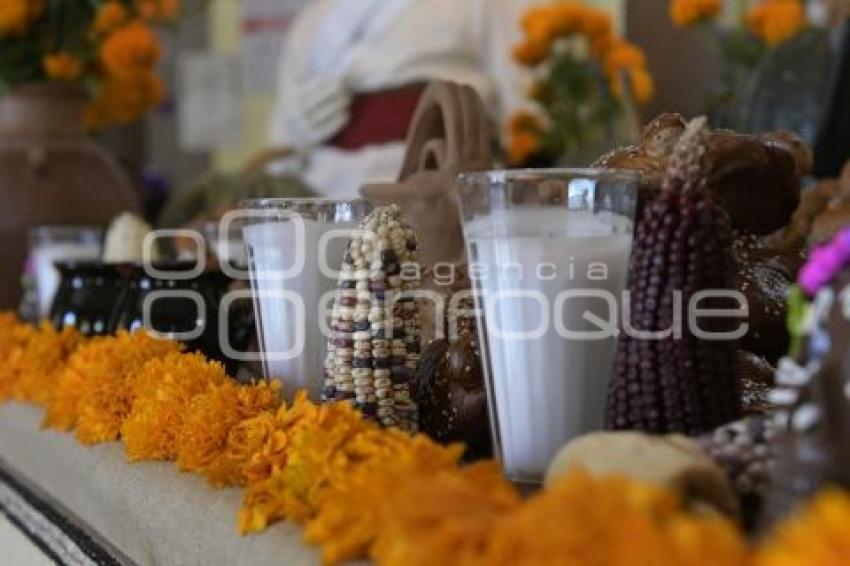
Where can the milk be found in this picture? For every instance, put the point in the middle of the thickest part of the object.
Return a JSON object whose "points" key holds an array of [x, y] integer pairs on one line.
{"points": [[546, 389], [271, 247]]}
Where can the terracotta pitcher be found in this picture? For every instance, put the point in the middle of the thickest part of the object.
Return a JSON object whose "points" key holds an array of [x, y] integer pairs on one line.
{"points": [[50, 173]]}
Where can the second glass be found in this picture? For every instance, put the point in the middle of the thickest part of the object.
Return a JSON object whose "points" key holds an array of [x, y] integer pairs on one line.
{"points": [[549, 254], [285, 240]]}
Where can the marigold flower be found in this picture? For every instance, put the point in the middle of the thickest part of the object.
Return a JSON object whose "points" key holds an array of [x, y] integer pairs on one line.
{"points": [[566, 17], [63, 66], [776, 21], [158, 10], [445, 517], [109, 17], [107, 394], [124, 99], [685, 13], [525, 131], [596, 23], [614, 521], [14, 338], [130, 50], [815, 535], [623, 55], [93, 391], [16, 16], [163, 389], [41, 362], [530, 54], [202, 439]]}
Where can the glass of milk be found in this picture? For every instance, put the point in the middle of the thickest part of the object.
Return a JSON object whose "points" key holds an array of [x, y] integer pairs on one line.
{"points": [[49, 244], [549, 255], [295, 248]]}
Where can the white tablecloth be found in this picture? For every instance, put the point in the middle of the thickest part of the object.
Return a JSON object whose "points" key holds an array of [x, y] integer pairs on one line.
{"points": [[150, 512]]}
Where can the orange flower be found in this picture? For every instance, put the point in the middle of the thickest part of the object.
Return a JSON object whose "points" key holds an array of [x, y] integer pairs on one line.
{"points": [[446, 517], [614, 521], [17, 15], [530, 54], [158, 10], [163, 389], [93, 391], [130, 50], [202, 439], [566, 17], [776, 21], [107, 394], [110, 16], [816, 535], [42, 361], [525, 131], [63, 66], [623, 56], [596, 23], [124, 99], [14, 339], [688, 12]]}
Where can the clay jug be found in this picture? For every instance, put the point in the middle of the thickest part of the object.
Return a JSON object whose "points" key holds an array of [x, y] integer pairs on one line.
{"points": [[50, 173]]}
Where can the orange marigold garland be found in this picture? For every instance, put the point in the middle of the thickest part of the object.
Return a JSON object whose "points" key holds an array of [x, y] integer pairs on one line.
{"points": [[163, 389], [209, 419], [363, 491], [612, 521]]}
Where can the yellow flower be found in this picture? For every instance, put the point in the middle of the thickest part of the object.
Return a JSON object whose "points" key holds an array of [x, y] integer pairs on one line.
{"points": [[17, 15], [109, 17], [688, 12], [63, 66], [130, 50], [776, 21], [814, 536], [163, 389]]}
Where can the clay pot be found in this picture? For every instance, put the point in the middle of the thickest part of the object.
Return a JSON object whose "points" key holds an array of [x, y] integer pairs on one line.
{"points": [[50, 173]]}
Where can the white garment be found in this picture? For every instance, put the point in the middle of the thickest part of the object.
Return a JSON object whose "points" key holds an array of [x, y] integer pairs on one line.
{"points": [[373, 45]]}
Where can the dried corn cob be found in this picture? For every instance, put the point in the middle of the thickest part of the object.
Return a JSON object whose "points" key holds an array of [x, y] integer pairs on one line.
{"points": [[683, 245], [375, 345]]}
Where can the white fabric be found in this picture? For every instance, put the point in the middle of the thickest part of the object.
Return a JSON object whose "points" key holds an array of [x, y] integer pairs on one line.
{"points": [[375, 45], [149, 511], [17, 548]]}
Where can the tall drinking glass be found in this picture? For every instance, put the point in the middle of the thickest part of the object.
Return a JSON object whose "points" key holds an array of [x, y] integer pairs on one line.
{"points": [[292, 256], [549, 254]]}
